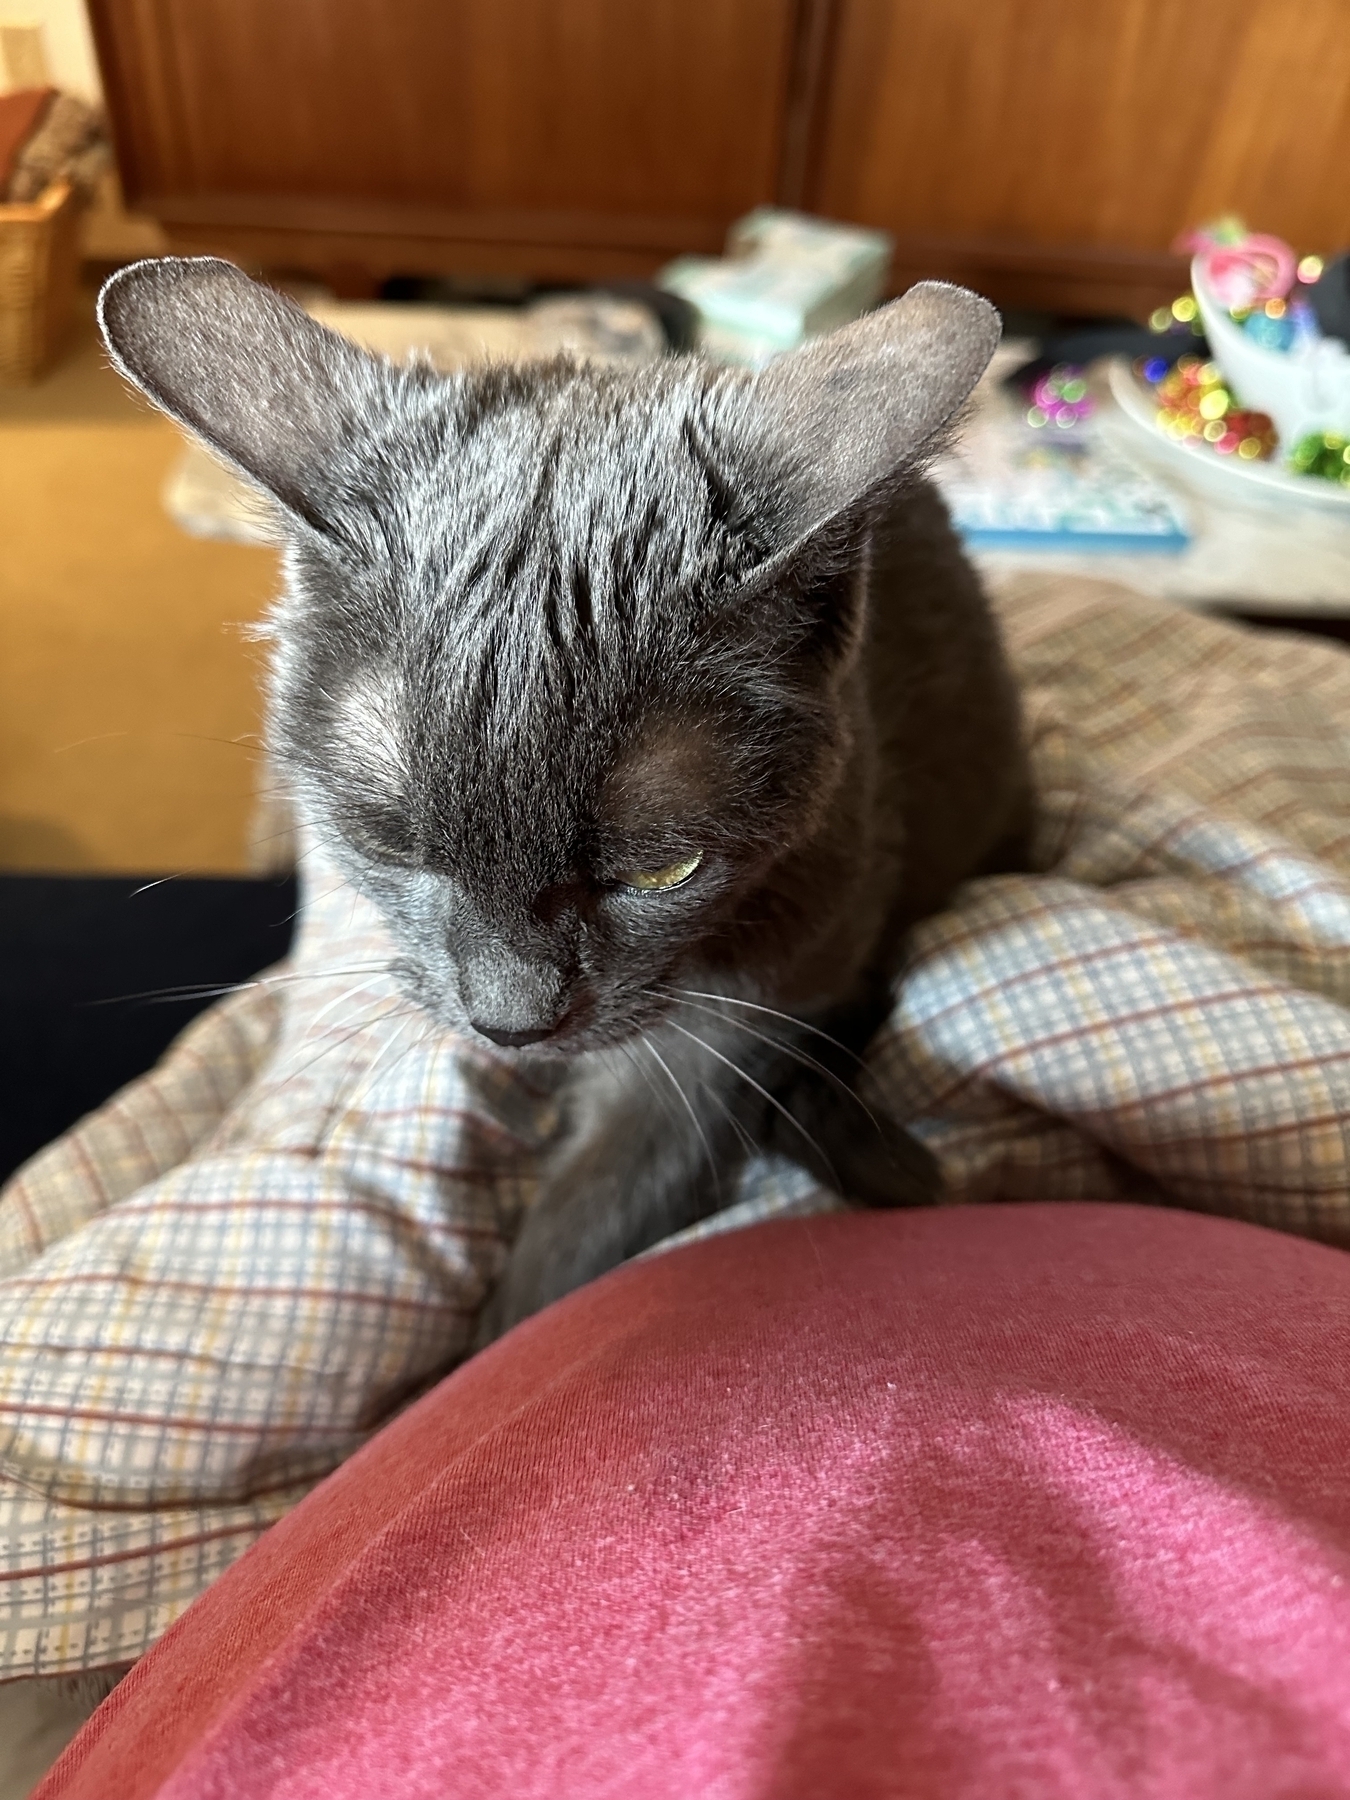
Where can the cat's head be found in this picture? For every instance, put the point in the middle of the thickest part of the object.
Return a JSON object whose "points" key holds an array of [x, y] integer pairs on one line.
{"points": [[560, 669]]}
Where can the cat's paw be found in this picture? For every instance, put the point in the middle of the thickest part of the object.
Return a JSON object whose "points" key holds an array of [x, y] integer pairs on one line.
{"points": [[887, 1166], [858, 1149], [566, 1239], [532, 1279], [492, 1322]]}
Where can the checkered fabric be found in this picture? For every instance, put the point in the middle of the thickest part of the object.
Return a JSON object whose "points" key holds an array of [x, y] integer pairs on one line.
{"points": [[216, 1287]]}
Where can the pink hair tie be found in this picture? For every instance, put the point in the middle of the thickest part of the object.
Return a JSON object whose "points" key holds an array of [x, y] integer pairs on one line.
{"points": [[1241, 275]]}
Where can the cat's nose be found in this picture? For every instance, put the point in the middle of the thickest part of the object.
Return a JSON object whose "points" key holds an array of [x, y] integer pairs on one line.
{"points": [[512, 1040], [509, 1000]]}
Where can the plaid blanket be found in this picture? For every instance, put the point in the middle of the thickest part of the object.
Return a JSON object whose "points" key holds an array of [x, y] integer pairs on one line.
{"points": [[220, 1284]]}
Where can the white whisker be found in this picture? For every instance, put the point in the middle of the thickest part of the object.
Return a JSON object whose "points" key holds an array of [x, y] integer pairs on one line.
{"points": [[208, 991], [794, 1051], [657, 1092], [764, 1094], [368, 1081], [688, 1106], [339, 1038], [773, 1013]]}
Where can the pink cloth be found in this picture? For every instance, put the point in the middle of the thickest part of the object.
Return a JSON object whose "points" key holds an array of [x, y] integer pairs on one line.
{"points": [[981, 1503]]}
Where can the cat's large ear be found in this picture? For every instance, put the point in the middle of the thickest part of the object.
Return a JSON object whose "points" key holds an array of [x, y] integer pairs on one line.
{"points": [[263, 384], [868, 400]]}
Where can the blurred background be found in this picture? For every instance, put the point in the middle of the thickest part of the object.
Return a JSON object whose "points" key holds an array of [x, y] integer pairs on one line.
{"points": [[1045, 152], [502, 176]]}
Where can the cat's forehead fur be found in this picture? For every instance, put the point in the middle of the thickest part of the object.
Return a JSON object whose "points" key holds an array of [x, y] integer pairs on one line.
{"points": [[554, 484], [540, 581]]}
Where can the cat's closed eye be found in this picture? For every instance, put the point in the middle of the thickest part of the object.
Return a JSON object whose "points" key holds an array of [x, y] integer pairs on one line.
{"points": [[387, 844], [645, 881]]}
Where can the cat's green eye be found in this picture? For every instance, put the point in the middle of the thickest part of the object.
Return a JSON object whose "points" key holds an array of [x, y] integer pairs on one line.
{"points": [[645, 880]]}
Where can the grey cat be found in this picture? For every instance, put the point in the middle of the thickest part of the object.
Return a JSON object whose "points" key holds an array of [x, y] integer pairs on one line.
{"points": [[651, 706]]}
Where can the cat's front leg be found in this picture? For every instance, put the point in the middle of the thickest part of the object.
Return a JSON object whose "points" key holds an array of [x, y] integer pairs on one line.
{"points": [[659, 1129], [804, 1092], [650, 1148]]}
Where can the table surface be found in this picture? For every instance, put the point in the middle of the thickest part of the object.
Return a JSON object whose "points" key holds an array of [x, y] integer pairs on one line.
{"points": [[1256, 557]]}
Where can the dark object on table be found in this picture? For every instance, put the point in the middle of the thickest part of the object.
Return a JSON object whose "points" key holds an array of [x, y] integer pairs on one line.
{"points": [[76, 958], [1324, 625], [676, 317], [1082, 344], [1329, 297]]}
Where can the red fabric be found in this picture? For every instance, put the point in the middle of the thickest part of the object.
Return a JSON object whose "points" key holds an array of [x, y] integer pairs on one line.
{"points": [[974, 1504], [21, 112]]}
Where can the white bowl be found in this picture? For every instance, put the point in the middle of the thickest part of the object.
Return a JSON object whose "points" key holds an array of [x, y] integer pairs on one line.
{"points": [[1227, 479], [1304, 389]]}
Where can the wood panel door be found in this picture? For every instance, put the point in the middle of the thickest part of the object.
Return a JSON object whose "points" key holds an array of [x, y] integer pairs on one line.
{"points": [[1049, 151], [563, 138]]}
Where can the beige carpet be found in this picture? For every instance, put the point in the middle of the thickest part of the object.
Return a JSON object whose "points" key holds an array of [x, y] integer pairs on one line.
{"points": [[128, 697]]}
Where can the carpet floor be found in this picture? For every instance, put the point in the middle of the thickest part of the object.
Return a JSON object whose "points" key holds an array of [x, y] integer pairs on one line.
{"points": [[129, 700]]}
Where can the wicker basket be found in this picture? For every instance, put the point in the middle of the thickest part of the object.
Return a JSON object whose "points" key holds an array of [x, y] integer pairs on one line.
{"points": [[39, 268]]}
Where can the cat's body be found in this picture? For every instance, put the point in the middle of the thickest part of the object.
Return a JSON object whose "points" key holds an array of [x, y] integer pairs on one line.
{"points": [[651, 706], [932, 789]]}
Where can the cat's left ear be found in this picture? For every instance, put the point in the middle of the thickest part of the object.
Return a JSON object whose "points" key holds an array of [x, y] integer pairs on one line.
{"points": [[288, 402], [856, 407]]}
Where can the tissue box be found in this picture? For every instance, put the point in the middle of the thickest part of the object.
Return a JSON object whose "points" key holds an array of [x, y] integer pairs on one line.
{"points": [[786, 277]]}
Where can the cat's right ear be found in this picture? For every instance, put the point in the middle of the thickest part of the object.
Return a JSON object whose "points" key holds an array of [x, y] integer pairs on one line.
{"points": [[265, 386], [864, 403]]}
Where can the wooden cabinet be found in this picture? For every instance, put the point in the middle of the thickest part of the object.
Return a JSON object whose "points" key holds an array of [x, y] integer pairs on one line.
{"points": [[1046, 151], [1050, 151], [554, 138]]}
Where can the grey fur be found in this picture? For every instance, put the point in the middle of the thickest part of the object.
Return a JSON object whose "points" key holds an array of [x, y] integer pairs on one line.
{"points": [[544, 626]]}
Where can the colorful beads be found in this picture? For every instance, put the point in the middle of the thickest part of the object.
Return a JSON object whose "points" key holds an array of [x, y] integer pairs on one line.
{"points": [[1182, 313], [1060, 398], [1270, 325], [1196, 403], [1285, 304], [1323, 453]]}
